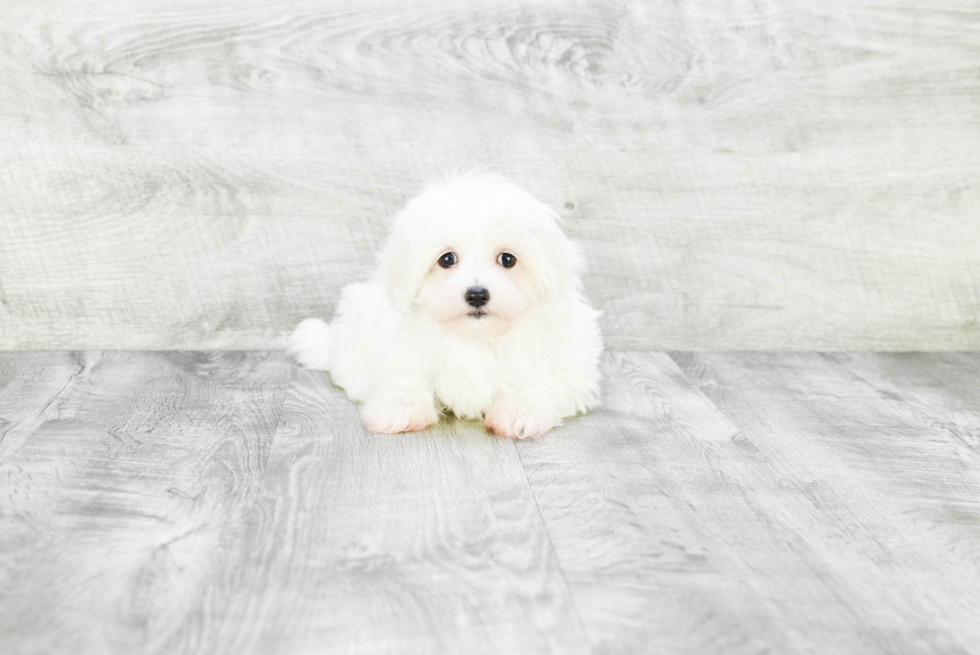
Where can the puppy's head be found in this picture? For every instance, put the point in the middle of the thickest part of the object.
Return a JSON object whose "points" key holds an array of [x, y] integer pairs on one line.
{"points": [[475, 253]]}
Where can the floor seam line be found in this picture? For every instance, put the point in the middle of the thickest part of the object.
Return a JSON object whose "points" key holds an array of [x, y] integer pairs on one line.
{"points": [[913, 408], [40, 415], [551, 544], [219, 618]]}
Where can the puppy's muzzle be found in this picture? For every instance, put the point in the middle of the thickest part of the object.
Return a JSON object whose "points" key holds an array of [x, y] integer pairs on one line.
{"points": [[477, 296]]}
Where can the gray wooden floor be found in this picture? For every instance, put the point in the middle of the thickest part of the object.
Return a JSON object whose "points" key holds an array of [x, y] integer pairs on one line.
{"points": [[716, 503]]}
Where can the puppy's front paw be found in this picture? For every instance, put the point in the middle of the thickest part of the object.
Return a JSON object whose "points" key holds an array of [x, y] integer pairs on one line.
{"points": [[384, 416], [517, 422]]}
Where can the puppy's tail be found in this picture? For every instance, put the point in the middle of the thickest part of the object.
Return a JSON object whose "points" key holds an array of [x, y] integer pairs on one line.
{"points": [[310, 344]]}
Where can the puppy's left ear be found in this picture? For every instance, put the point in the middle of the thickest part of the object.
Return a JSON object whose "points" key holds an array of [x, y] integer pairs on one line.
{"points": [[559, 260], [403, 268]]}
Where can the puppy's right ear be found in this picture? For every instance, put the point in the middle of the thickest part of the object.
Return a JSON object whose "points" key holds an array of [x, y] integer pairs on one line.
{"points": [[403, 269]]}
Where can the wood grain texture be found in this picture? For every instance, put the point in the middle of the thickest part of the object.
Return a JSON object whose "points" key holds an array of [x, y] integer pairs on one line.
{"points": [[814, 520], [30, 385], [422, 543], [937, 391], [769, 175], [888, 515], [122, 513]]}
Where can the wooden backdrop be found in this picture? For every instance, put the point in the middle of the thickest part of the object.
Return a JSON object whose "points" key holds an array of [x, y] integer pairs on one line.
{"points": [[746, 174]]}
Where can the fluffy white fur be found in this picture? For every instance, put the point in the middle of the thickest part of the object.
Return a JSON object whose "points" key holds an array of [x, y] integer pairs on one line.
{"points": [[408, 346]]}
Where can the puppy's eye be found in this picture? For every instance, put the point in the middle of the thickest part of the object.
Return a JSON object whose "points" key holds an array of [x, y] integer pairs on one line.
{"points": [[448, 260], [506, 259]]}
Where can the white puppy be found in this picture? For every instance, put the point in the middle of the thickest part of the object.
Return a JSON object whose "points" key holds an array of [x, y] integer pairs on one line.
{"points": [[476, 308]]}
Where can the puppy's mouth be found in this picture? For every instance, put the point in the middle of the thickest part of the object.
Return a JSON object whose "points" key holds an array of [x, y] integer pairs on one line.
{"points": [[478, 314]]}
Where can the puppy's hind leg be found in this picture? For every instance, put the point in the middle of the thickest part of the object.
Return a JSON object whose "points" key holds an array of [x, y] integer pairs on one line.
{"points": [[310, 344]]}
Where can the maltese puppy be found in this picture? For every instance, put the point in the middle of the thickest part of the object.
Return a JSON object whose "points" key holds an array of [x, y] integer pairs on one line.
{"points": [[476, 308]]}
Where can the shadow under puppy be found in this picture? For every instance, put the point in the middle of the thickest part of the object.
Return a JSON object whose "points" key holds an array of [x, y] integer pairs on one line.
{"points": [[476, 308]]}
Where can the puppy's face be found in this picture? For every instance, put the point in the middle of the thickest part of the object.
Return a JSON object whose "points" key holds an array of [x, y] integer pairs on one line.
{"points": [[476, 254], [479, 288]]}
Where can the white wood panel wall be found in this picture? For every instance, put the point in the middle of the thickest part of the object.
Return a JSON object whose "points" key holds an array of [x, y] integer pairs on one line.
{"points": [[771, 174]]}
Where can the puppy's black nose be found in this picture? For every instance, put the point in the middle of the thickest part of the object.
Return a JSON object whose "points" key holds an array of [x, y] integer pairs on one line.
{"points": [[477, 296]]}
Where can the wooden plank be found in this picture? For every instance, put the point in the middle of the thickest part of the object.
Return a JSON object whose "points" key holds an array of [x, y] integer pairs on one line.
{"points": [[122, 514], [769, 175], [891, 512], [420, 543], [680, 531]]}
